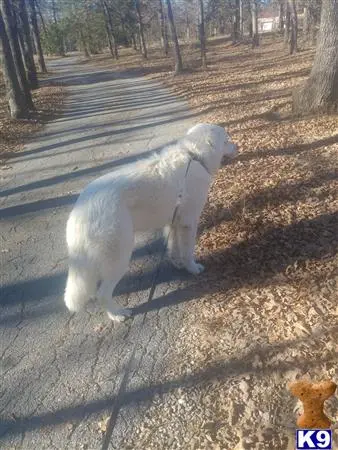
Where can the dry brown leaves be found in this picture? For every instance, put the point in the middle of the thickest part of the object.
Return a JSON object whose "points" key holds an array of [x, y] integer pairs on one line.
{"points": [[48, 101], [266, 311]]}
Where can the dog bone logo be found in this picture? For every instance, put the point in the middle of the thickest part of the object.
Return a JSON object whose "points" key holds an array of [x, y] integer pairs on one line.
{"points": [[313, 396]]}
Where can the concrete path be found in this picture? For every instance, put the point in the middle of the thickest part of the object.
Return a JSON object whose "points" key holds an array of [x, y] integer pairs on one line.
{"points": [[61, 374]]}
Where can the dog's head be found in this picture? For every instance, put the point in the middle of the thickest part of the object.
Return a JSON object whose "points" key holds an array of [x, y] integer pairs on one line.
{"points": [[212, 144]]}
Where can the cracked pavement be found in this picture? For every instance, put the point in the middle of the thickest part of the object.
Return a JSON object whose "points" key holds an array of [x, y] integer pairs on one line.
{"points": [[61, 374]]}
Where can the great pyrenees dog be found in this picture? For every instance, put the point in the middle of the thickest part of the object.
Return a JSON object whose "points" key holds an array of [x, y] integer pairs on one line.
{"points": [[144, 195]]}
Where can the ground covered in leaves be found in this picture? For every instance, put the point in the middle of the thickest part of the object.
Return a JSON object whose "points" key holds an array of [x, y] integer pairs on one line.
{"points": [[48, 101], [265, 312]]}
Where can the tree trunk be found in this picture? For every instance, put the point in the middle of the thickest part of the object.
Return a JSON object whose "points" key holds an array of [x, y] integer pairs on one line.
{"points": [[164, 30], [108, 33], [310, 21], [294, 26], [221, 26], [139, 41], [241, 18], [110, 25], [320, 93], [133, 39], [202, 37], [85, 50], [166, 35], [41, 17], [109, 40], [178, 58], [18, 107], [236, 22], [140, 25], [281, 16], [13, 38], [28, 46], [116, 49], [84, 44], [306, 22], [250, 28], [187, 27], [255, 33], [54, 12], [22, 46], [36, 33], [60, 37], [287, 24]]}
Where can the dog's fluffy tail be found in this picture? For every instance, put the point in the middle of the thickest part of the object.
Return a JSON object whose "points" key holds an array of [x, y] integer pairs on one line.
{"points": [[80, 288]]}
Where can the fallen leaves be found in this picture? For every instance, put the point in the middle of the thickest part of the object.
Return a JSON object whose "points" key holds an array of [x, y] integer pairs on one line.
{"points": [[265, 311], [47, 99]]}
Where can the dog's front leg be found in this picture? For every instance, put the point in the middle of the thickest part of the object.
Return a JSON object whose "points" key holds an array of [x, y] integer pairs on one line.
{"points": [[187, 241]]}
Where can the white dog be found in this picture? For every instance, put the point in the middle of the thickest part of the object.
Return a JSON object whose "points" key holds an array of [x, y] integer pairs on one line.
{"points": [[140, 197]]}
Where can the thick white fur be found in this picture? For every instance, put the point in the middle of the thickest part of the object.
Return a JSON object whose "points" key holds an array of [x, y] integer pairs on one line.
{"points": [[140, 197]]}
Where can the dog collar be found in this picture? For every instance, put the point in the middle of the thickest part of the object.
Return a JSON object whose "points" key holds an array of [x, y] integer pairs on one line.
{"points": [[199, 160]]}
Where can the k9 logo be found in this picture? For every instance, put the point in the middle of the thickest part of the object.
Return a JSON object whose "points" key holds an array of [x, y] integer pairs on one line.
{"points": [[314, 439]]}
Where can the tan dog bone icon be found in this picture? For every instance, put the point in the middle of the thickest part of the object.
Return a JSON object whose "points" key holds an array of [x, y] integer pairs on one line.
{"points": [[313, 396]]}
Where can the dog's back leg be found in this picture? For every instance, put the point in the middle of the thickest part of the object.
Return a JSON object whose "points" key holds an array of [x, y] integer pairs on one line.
{"points": [[112, 270], [113, 262], [105, 295], [80, 286]]}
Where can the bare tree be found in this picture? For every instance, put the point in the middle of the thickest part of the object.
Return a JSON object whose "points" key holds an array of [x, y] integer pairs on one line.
{"points": [[281, 15], [236, 22], [241, 18], [21, 40], [311, 20], [178, 58], [36, 34], [18, 107], [133, 39], [306, 21], [13, 38], [109, 36], [294, 25], [287, 23], [27, 45], [40, 16], [164, 28], [141, 29], [254, 14], [187, 24], [54, 12], [250, 26], [110, 29], [320, 93], [83, 43], [202, 36], [62, 50]]}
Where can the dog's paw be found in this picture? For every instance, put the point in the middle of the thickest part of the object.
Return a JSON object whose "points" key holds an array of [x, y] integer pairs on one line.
{"points": [[195, 268], [120, 316]]}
